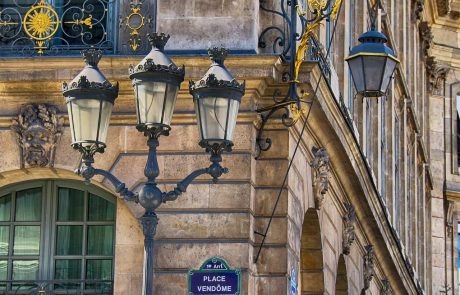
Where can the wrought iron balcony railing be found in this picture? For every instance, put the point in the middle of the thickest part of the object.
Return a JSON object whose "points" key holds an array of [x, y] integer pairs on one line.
{"points": [[64, 27], [316, 53], [55, 287]]}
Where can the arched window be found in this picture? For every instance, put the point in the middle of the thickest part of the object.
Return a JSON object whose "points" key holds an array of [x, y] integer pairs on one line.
{"points": [[56, 236]]}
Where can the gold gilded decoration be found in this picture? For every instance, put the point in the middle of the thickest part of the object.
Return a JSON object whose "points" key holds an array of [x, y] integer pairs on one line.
{"points": [[6, 23], [42, 26], [297, 114], [317, 4], [135, 21], [310, 32], [87, 22], [41, 22]]}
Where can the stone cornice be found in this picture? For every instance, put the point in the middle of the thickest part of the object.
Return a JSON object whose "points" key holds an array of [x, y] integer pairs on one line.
{"points": [[351, 169]]}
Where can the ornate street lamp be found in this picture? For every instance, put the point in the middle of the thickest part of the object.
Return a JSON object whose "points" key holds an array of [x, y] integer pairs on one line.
{"points": [[156, 81], [90, 98], [217, 98], [372, 63]]}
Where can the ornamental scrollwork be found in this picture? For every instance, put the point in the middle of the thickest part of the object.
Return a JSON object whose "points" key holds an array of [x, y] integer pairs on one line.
{"points": [[418, 8], [349, 234], [47, 29], [437, 75], [84, 83], [369, 264], [38, 128], [136, 21], [321, 169], [386, 288], [426, 37]]}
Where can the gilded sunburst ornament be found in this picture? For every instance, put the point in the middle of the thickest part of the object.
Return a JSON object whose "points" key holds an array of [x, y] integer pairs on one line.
{"points": [[41, 22]]}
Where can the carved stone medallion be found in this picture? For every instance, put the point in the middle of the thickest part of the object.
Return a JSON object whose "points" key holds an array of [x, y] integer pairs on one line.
{"points": [[320, 165], [348, 234], [38, 128]]}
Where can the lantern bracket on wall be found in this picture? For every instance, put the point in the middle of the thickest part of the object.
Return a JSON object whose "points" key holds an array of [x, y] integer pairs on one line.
{"points": [[156, 81], [294, 39]]}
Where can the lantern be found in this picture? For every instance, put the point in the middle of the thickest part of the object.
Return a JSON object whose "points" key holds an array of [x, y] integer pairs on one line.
{"points": [[217, 98], [156, 81], [90, 98], [372, 64]]}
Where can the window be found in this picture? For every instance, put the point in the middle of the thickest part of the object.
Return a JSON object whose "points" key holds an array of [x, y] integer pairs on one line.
{"points": [[397, 172], [458, 254], [369, 133], [351, 28], [458, 130], [383, 151], [58, 235]]}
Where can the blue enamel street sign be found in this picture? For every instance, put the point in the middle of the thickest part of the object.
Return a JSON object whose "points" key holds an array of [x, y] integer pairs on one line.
{"points": [[214, 278]]}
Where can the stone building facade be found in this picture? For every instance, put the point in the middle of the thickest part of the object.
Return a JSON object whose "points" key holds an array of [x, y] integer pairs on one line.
{"points": [[370, 201]]}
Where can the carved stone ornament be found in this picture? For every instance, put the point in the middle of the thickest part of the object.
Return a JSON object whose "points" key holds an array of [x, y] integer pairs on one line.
{"points": [[348, 234], [443, 7], [437, 75], [418, 8], [386, 288], [369, 263], [426, 36], [321, 169], [38, 129]]}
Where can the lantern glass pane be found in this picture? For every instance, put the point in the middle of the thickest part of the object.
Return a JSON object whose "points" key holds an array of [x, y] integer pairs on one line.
{"points": [[85, 119], [356, 68], [213, 118], [152, 99], [374, 67], [232, 117], [171, 96], [389, 69]]}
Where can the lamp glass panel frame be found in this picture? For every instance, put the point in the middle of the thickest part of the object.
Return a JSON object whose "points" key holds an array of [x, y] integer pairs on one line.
{"points": [[89, 120], [155, 101]]}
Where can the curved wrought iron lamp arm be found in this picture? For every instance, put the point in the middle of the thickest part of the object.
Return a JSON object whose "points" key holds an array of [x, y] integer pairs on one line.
{"points": [[215, 170], [87, 171]]}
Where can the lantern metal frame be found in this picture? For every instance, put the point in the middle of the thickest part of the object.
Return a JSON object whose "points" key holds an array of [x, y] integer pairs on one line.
{"points": [[210, 86], [82, 88], [150, 70], [150, 197], [372, 45]]}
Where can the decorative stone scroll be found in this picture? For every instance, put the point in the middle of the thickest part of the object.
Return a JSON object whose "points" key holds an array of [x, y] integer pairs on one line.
{"points": [[320, 165], [418, 8], [348, 234], [386, 288], [369, 263], [437, 75], [38, 128], [426, 36]]}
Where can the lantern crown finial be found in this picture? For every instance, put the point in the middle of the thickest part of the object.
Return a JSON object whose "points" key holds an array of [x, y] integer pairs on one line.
{"points": [[373, 36], [158, 40], [218, 54], [92, 56]]}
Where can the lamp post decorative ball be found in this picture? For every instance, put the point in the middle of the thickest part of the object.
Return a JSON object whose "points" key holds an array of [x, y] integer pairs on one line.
{"points": [[156, 82], [372, 64]]}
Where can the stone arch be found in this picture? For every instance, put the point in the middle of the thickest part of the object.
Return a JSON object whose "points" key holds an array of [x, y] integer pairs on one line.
{"points": [[311, 255], [341, 282]]}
